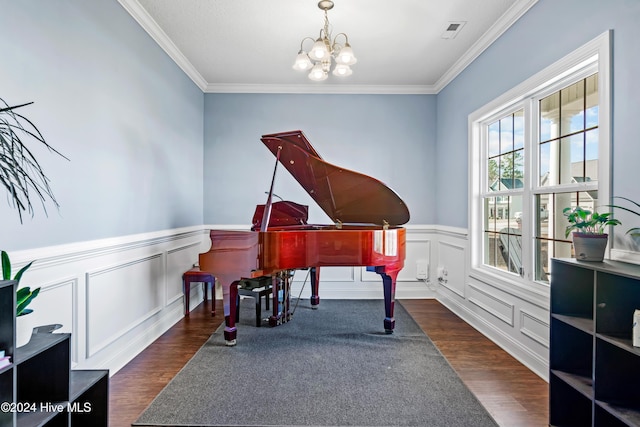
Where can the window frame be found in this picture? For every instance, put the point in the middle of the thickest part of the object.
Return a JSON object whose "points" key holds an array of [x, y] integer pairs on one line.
{"points": [[593, 57]]}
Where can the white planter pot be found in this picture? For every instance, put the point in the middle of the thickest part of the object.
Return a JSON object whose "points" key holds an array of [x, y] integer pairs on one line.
{"points": [[590, 247], [24, 330]]}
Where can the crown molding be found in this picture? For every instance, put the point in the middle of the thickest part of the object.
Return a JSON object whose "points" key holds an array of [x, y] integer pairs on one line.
{"points": [[514, 13], [321, 88], [153, 29], [507, 19]]}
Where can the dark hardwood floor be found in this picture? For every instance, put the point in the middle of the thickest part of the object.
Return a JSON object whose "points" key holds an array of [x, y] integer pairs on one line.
{"points": [[510, 392]]}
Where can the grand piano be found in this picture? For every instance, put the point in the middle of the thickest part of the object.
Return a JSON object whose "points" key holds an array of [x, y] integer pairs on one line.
{"points": [[367, 216]]}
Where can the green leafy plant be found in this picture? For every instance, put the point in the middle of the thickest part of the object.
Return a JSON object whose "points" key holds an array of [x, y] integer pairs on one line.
{"points": [[24, 295], [632, 231], [20, 173], [586, 221]]}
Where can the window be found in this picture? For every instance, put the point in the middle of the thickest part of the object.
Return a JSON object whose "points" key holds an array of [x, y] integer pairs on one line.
{"points": [[539, 148]]}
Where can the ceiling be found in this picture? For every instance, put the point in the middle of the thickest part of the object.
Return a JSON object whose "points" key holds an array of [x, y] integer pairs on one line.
{"points": [[250, 45]]}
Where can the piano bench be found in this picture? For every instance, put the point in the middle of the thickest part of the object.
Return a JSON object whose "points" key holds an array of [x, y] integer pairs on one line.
{"points": [[256, 293], [197, 276]]}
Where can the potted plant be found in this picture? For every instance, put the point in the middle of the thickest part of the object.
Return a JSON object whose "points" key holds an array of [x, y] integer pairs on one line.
{"points": [[589, 237], [24, 297]]}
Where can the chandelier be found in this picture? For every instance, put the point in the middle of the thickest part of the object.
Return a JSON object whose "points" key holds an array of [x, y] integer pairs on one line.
{"points": [[323, 52]]}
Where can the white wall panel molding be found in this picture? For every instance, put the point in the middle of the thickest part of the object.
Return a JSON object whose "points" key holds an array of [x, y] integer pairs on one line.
{"points": [[72, 252], [90, 286], [491, 303], [450, 270], [62, 294], [106, 319], [534, 327]]}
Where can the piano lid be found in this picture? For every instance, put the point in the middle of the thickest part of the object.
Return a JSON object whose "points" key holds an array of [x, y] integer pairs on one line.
{"points": [[345, 196]]}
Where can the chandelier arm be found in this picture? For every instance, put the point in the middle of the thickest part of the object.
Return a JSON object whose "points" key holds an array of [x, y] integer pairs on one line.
{"points": [[305, 39], [335, 43]]}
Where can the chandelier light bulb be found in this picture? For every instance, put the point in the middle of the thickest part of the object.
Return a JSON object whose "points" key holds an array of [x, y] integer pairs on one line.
{"points": [[346, 56], [342, 70], [302, 62], [319, 50], [317, 74], [324, 52]]}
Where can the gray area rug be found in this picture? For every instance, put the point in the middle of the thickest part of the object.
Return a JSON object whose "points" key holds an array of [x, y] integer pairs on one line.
{"points": [[333, 366]]}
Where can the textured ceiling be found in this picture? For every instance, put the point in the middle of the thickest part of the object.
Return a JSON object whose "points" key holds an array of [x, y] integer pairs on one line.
{"points": [[250, 45]]}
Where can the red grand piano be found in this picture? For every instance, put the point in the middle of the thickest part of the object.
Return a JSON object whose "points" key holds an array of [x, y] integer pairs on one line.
{"points": [[366, 232]]}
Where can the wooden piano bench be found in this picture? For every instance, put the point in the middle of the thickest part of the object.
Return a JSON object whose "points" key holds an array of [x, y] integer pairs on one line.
{"points": [[197, 276], [256, 289]]}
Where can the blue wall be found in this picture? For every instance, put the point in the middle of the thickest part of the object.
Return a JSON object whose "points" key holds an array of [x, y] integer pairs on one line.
{"points": [[547, 32], [111, 100], [137, 130], [389, 137]]}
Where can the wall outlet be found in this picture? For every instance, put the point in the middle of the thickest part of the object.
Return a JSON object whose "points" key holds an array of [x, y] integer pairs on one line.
{"points": [[422, 270]]}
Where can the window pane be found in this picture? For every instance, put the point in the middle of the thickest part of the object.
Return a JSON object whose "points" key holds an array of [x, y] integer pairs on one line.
{"points": [[518, 130], [515, 215], [592, 101], [542, 260], [591, 155], [490, 213], [545, 160], [572, 108], [518, 168], [506, 171], [573, 147], [494, 139], [542, 223], [493, 170], [549, 117], [490, 246], [506, 134], [509, 255]]}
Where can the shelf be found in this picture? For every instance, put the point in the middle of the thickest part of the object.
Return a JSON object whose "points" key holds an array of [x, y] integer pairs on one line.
{"points": [[581, 383], [37, 418], [582, 323], [38, 344], [631, 416], [623, 343]]}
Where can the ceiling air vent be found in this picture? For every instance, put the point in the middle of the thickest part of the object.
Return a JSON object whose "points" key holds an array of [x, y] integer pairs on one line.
{"points": [[453, 29]]}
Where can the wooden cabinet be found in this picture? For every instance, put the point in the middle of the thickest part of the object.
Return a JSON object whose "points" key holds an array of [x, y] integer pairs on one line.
{"points": [[594, 368], [40, 385]]}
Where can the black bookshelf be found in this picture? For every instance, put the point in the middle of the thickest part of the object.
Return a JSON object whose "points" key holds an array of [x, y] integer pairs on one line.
{"points": [[39, 384], [594, 368]]}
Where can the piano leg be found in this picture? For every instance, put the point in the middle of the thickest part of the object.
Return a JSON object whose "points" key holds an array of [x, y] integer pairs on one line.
{"points": [[389, 287], [229, 300], [315, 285]]}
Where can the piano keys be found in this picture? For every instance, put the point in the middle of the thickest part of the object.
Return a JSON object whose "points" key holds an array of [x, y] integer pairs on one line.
{"points": [[366, 231]]}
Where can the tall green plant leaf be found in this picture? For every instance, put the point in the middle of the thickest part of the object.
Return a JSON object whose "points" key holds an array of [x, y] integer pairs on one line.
{"points": [[20, 173]]}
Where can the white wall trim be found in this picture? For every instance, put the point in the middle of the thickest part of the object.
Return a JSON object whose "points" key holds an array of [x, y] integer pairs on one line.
{"points": [[515, 12]]}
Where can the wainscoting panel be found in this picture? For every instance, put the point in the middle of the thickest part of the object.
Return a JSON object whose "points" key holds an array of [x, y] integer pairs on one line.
{"points": [[63, 295], [118, 295], [451, 267], [141, 281], [492, 303], [534, 327], [502, 314]]}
